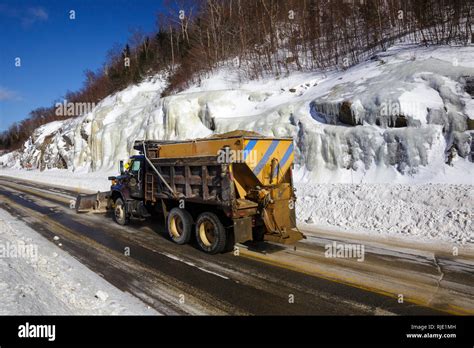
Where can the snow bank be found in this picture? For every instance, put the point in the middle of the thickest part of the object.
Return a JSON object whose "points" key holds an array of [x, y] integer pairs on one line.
{"points": [[49, 281], [418, 212], [78, 181]]}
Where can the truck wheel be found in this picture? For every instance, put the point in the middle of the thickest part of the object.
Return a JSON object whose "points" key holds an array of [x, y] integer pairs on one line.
{"points": [[210, 233], [120, 214], [179, 223]]}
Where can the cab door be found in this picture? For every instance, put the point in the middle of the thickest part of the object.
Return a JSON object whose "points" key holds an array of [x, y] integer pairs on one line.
{"points": [[136, 179]]}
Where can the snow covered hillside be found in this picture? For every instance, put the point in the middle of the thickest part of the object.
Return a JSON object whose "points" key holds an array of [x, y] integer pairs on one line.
{"points": [[406, 115]]}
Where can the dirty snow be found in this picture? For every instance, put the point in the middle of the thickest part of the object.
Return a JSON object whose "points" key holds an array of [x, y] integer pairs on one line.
{"points": [[49, 281]]}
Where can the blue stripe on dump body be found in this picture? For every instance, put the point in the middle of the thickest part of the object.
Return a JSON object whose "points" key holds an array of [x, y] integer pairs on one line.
{"points": [[250, 145], [285, 158], [265, 157]]}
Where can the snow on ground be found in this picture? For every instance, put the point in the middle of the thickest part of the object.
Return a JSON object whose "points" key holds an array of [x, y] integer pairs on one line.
{"points": [[79, 181], [38, 278], [420, 213]]}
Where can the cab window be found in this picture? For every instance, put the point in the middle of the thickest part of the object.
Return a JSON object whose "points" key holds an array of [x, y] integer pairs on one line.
{"points": [[136, 166]]}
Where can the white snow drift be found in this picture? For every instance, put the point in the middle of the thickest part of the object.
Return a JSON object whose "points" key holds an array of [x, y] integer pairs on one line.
{"points": [[421, 213]]}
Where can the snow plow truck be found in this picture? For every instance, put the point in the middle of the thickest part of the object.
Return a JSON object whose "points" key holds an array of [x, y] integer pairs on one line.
{"points": [[221, 190]]}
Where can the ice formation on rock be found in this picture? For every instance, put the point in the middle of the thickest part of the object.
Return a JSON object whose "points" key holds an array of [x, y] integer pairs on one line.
{"points": [[408, 110]]}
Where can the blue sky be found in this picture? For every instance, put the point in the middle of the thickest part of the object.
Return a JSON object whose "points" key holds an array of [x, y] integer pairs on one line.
{"points": [[55, 50]]}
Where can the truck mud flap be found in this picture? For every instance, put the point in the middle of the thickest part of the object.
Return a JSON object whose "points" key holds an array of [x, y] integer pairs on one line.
{"points": [[243, 229]]}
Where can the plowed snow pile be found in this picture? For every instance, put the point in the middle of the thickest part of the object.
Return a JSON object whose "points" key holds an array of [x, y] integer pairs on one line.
{"points": [[419, 212], [38, 278], [406, 116]]}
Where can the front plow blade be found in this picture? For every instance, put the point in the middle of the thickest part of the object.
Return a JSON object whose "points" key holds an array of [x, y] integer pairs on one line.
{"points": [[96, 203]]}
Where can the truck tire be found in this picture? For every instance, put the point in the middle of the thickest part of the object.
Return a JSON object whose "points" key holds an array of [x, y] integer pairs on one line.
{"points": [[120, 213], [179, 223], [210, 233]]}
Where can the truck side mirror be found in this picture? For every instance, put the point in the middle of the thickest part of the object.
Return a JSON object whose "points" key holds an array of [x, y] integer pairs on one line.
{"points": [[121, 168]]}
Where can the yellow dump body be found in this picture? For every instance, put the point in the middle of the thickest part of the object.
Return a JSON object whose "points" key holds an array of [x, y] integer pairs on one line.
{"points": [[256, 151], [259, 168]]}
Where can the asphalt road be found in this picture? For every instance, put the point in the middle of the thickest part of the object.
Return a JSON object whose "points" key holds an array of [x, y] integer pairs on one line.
{"points": [[261, 279]]}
